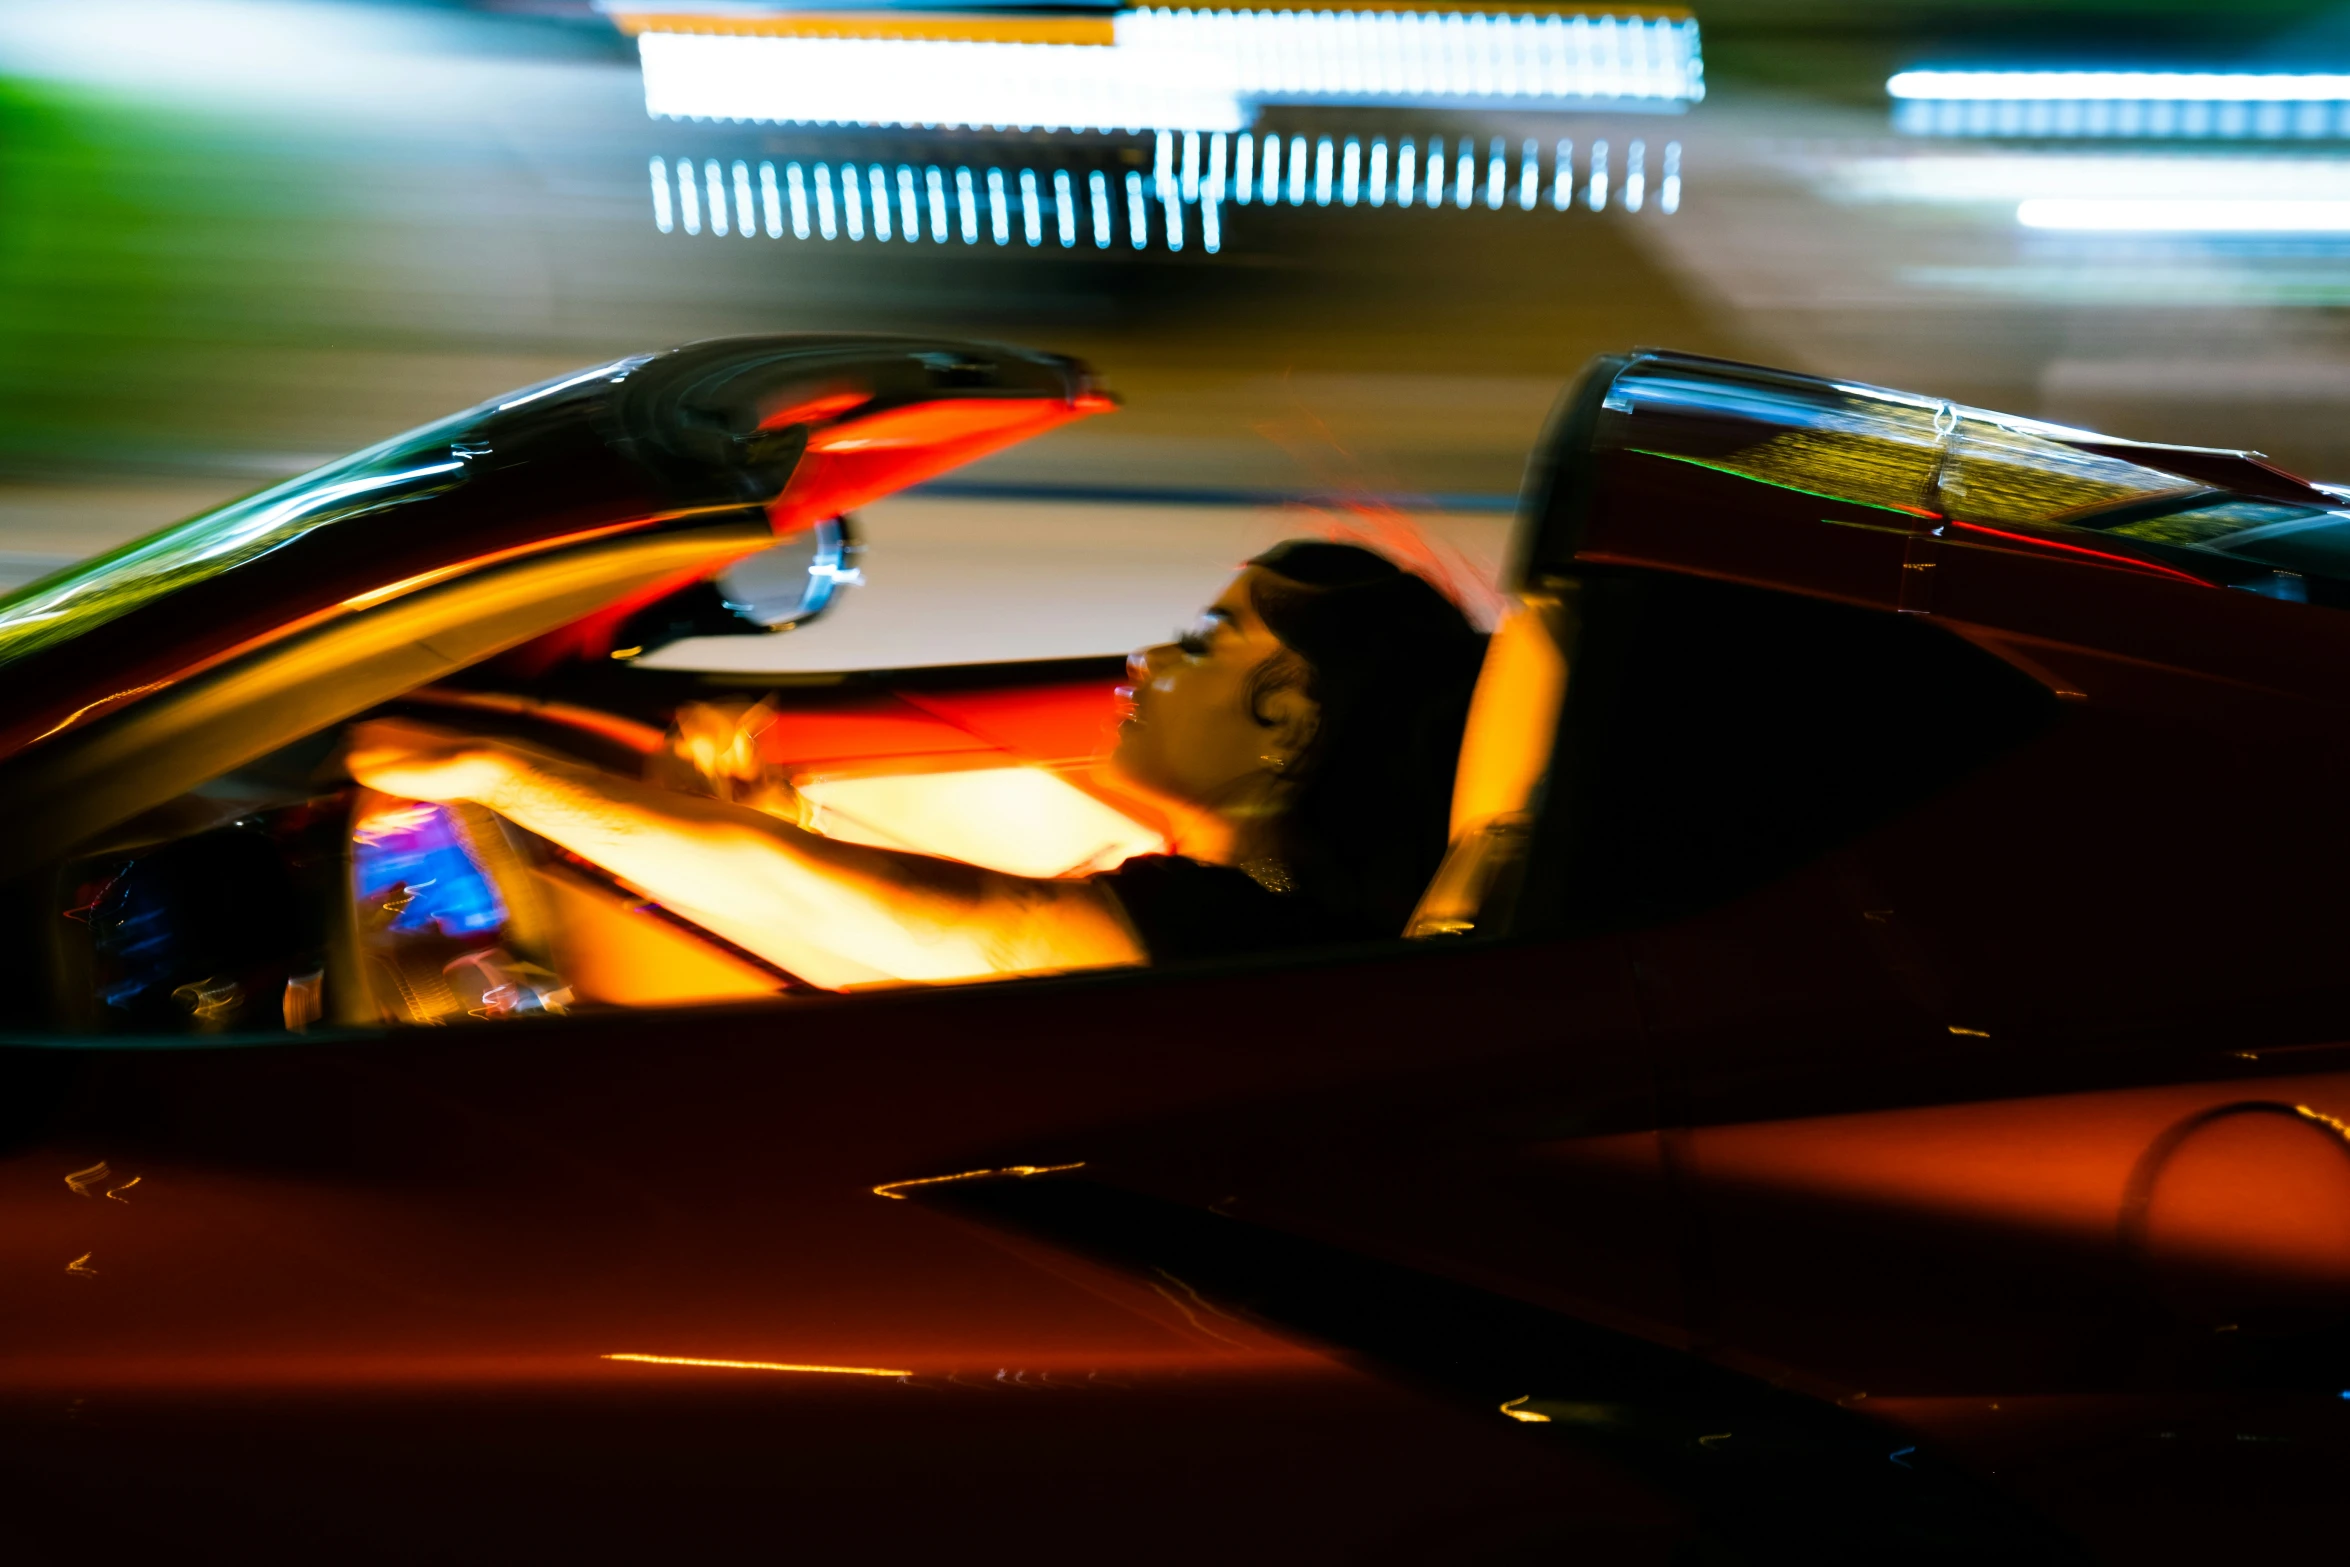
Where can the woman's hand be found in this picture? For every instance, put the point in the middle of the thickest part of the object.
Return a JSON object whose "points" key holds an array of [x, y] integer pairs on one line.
{"points": [[714, 750], [418, 762]]}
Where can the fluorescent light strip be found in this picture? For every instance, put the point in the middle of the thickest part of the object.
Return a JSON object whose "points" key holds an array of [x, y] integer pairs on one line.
{"points": [[864, 81], [2119, 86], [1333, 171], [2158, 216], [1409, 57], [1177, 69], [661, 217], [2155, 105]]}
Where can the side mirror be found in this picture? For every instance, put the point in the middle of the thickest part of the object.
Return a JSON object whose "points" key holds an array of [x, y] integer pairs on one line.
{"points": [[777, 589]]}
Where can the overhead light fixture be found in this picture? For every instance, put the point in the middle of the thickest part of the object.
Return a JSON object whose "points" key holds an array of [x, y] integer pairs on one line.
{"points": [[930, 81], [2233, 105], [1398, 58], [1156, 68], [1209, 173]]}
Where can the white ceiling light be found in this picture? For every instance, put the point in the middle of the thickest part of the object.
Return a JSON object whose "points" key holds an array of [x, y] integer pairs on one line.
{"points": [[2159, 216], [1165, 68], [2136, 86], [2223, 105], [924, 81]]}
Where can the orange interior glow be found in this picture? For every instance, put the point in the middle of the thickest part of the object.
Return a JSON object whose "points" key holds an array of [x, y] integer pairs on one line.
{"points": [[858, 461], [814, 408], [1023, 821]]}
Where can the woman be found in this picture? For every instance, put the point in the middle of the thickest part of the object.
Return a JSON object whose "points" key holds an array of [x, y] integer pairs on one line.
{"points": [[1300, 738]]}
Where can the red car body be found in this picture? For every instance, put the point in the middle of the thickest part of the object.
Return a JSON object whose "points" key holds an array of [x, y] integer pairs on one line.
{"points": [[1892, 1120]]}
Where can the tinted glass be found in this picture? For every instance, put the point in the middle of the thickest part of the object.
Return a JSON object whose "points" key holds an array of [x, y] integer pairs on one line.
{"points": [[1872, 447], [2304, 541]]}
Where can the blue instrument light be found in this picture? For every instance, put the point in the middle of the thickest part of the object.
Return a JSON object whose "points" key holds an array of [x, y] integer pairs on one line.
{"points": [[417, 852]]}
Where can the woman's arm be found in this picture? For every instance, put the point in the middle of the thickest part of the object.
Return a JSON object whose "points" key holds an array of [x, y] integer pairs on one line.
{"points": [[760, 882]]}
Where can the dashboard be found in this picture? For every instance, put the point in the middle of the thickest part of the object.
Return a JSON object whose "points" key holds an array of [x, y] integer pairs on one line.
{"points": [[283, 895]]}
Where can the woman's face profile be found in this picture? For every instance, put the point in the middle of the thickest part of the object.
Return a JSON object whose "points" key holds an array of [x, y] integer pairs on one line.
{"points": [[1195, 732]]}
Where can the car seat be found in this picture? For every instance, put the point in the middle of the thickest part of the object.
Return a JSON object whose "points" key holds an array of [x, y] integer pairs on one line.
{"points": [[1505, 766]]}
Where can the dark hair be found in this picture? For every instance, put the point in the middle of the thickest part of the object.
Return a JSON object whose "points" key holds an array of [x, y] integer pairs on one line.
{"points": [[1390, 662]]}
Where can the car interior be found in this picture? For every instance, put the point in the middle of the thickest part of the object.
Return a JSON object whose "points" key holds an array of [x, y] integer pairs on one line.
{"points": [[238, 881], [220, 872]]}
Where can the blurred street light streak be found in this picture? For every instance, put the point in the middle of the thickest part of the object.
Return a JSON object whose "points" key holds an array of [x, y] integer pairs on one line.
{"points": [[2009, 177], [896, 1190], [1516, 1411], [2158, 216], [1170, 195], [758, 1365], [926, 81], [82, 1182], [2139, 86], [717, 188], [1159, 68], [2227, 105], [1217, 168], [1398, 58], [662, 219]]}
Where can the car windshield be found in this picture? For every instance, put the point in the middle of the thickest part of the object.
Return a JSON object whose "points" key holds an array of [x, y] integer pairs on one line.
{"points": [[70, 602]]}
